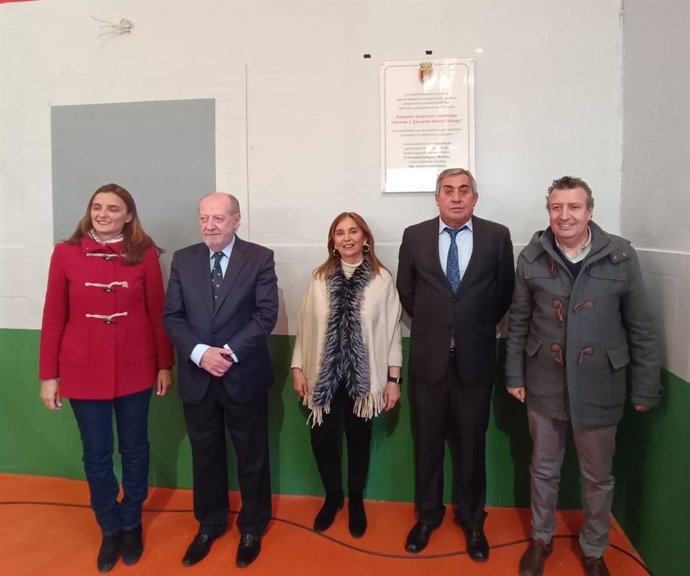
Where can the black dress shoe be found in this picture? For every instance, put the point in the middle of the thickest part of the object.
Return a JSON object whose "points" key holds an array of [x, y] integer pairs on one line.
{"points": [[109, 553], [331, 505], [477, 546], [418, 538], [132, 545], [248, 550], [198, 549], [357, 522]]}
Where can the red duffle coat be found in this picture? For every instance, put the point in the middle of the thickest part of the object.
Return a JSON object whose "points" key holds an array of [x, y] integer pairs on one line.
{"points": [[102, 333]]}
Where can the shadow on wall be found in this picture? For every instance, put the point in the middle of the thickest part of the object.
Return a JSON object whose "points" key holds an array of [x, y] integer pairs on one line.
{"points": [[632, 439], [281, 354], [510, 419], [168, 438]]}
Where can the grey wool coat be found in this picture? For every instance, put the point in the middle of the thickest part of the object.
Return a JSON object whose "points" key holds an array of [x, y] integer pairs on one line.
{"points": [[571, 342]]}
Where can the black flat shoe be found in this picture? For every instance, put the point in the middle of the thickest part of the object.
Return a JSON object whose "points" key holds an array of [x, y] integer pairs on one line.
{"points": [[248, 550], [418, 538], [331, 505], [132, 545], [357, 522], [109, 553], [198, 549]]}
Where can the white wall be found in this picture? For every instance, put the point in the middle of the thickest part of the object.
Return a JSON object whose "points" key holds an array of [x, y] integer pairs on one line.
{"points": [[548, 100], [656, 163]]}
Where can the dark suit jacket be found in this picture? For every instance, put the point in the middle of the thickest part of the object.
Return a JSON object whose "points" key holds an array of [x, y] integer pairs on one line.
{"points": [[246, 313], [484, 297]]}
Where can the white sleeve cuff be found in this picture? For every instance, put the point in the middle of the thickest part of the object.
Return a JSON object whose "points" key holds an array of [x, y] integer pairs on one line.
{"points": [[197, 353]]}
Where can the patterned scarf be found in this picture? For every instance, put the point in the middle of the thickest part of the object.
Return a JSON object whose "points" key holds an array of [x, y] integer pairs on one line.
{"points": [[345, 357]]}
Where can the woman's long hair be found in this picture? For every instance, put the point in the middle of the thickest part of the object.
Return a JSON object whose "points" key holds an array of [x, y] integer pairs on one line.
{"points": [[135, 240], [332, 263]]}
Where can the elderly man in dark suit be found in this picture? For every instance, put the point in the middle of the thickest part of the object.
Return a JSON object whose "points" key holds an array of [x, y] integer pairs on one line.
{"points": [[220, 307], [455, 278]]}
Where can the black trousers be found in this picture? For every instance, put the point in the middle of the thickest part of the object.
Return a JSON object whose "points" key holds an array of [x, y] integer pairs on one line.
{"points": [[458, 412], [327, 445], [247, 425]]}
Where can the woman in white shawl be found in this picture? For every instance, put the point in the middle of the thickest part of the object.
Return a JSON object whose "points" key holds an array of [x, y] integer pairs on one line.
{"points": [[347, 361]]}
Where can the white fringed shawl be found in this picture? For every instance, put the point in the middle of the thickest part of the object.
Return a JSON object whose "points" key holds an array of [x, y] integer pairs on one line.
{"points": [[380, 313]]}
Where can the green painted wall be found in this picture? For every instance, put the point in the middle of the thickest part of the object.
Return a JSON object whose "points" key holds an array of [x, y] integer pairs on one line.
{"points": [[35, 441], [652, 466]]}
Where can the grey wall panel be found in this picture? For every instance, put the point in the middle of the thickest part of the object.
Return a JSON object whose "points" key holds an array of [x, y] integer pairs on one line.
{"points": [[162, 152]]}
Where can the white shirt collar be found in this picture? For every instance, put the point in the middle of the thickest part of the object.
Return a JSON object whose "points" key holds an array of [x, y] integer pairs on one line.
{"points": [[442, 225], [582, 251], [227, 250]]}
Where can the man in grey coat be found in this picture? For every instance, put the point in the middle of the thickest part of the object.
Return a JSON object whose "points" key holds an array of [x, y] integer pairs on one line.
{"points": [[579, 321]]}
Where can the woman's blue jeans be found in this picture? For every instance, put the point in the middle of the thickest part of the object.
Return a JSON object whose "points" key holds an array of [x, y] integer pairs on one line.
{"points": [[95, 421]]}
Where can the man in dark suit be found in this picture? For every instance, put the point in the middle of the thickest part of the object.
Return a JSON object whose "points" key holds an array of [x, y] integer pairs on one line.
{"points": [[455, 278], [220, 307]]}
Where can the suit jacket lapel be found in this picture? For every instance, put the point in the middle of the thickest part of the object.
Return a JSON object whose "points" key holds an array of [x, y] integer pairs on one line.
{"points": [[478, 244], [432, 255], [238, 258], [202, 271]]}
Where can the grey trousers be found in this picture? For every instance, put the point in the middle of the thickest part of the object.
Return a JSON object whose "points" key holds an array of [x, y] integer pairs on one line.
{"points": [[595, 446]]}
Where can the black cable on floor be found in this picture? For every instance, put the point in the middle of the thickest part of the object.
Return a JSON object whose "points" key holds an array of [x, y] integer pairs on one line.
{"points": [[336, 540]]}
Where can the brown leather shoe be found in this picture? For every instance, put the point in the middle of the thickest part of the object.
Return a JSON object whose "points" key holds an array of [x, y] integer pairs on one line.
{"points": [[595, 566], [532, 561]]}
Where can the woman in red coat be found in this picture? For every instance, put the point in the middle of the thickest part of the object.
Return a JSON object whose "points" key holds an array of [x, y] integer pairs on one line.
{"points": [[103, 346]]}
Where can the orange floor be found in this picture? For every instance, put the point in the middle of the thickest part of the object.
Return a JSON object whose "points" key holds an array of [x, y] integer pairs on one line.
{"points": [[47, 528]]}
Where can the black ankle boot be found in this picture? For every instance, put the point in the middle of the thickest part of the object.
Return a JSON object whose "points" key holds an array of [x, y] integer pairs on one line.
{"points": [[326, 516], [358, 518], [109, 552], [132, 545]]}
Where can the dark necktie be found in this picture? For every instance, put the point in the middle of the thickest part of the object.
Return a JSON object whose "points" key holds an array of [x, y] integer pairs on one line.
{"points": [[452, 265], [216, 276]]}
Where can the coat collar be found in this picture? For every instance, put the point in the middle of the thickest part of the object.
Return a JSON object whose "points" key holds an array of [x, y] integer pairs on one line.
{"points": [[603, 245], [107, 251]]}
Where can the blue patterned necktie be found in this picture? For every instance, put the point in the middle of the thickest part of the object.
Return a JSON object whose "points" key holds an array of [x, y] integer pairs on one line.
{"points": [[452, 266], [216, 276]]}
